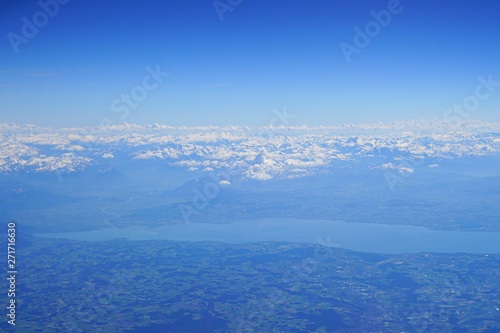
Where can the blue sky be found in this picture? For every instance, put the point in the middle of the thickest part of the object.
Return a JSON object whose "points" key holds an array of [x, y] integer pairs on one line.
{"points": [[263, 55]]}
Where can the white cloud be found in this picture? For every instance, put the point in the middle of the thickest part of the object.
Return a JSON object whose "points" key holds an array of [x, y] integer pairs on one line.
{"points": [[259, 153]]}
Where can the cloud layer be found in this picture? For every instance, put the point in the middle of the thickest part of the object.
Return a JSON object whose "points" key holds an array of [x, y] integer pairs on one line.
{"points": [[258, 153]]}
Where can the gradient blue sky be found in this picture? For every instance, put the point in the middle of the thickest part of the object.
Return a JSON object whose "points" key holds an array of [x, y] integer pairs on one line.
{"points": [[264, 55]]}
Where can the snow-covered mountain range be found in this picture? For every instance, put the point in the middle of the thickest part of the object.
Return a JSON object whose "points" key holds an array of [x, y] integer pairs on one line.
{"points": [[259, 153]]}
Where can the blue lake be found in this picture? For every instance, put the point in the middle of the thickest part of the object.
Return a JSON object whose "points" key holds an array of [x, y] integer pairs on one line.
{"points": [[366, 237]]}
